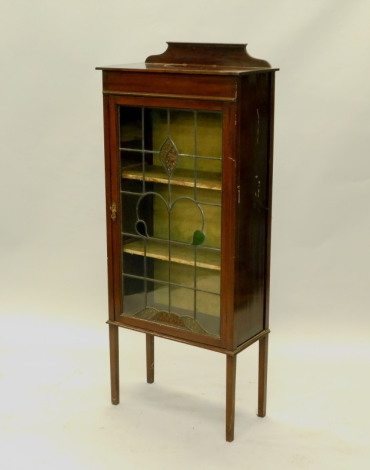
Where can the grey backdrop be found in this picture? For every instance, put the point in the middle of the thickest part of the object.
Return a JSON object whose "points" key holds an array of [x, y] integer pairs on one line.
{"points": [[52, 239]]}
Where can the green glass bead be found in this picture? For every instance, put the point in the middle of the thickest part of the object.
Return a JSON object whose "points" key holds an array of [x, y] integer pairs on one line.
{"points": [[198, 237]]}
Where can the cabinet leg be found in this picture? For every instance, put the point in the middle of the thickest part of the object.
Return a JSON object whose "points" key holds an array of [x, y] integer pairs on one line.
{"points": [[149, 358], [262, 376], [114, 363], [230, 396]]}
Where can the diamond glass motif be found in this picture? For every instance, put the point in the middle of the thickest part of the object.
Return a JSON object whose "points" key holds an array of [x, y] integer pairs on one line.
{"points": [[169, 156]]}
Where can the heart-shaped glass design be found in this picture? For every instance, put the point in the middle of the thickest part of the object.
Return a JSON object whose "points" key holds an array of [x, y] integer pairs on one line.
{"points": [[141, 228]]}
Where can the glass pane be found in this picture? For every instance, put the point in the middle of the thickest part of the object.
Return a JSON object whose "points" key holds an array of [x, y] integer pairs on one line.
{"points": [[208, 311], [203, 196], [182, 300], [208, 280], [185, 219], [131, 185], [133, 260], [133, 295], [132, 171], [154, 171], [212, 225], [209, 134], [182, 266], [182, 131], [156, 128], [128, 208], [131, 128], [208, 304], [158, 296], [157, 260], [161, 227], [209, 166], [208, 270], [171, 212], [186, 163], [144, 215]]}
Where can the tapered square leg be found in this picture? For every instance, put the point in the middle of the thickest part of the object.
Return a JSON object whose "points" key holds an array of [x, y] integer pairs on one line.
{"points": [[230, 396], [149, 358], [114, 363], [262, 376]]}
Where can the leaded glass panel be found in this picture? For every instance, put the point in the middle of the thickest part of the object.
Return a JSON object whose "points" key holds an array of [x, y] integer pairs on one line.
{"points": [[171, 165]]}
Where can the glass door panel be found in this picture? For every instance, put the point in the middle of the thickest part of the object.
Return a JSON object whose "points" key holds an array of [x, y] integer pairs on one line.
{"points": [[171, 183]]}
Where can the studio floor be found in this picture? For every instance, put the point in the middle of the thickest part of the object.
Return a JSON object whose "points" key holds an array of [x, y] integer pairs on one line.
{"points": [[55, 410]]}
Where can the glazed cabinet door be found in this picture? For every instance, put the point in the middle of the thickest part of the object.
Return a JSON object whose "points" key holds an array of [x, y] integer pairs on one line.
{"points": [[167, 164]]}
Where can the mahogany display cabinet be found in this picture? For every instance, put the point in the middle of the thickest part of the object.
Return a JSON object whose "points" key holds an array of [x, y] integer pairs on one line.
{"points": [[188, 155]]}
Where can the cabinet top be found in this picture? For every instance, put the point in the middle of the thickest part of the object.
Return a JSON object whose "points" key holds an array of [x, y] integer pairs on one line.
{"points": [[199, 58]]}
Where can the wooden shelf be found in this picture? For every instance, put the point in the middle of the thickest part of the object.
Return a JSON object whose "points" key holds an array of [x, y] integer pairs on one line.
{"points": [[208, 259], [155, 174]]}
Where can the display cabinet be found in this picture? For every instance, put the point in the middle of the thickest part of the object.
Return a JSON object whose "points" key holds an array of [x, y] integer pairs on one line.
{"points": [[188, 153]]}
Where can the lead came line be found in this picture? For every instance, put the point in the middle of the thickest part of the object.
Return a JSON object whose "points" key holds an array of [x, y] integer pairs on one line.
{"points": [[144, 190], [196, 198], [156, 152], [165, 283], [169, 217]]}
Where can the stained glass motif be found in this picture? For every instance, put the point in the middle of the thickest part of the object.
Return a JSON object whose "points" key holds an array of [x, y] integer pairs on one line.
{"points": [[171, 216], [173, 319], [198, 237], [169, 156]]}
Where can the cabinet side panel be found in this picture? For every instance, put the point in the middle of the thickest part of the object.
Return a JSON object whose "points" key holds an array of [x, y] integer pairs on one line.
{"points": [[253, 208], [269, 201]]}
